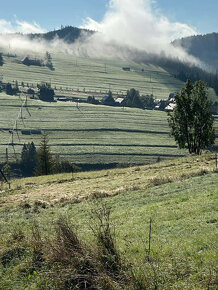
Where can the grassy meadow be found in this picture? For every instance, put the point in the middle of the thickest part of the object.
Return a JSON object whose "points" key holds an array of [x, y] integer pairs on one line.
{"points": [[94, 75], [179, 195], [88, 134]]}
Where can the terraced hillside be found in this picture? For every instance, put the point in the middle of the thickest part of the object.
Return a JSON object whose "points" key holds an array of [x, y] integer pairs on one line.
{"points": [[88, 133], [94, 75], [179, 195]]}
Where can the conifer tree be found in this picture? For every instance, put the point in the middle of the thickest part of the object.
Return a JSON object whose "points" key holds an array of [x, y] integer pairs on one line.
{"points": [[28, 159], [44, 158]]}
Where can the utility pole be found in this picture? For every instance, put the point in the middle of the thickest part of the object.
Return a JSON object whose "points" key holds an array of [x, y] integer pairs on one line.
{"points": [[149, 241], [6, 155]]}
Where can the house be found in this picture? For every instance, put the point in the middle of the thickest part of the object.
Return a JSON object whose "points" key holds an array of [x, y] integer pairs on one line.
{"points": [[36, 132], [108, 101], [119, 101], [126, 68], [26, 132], [170, 107], [171, 96]]}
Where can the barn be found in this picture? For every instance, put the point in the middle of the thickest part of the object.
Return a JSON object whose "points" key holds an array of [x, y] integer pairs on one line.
{"points": [[27, 61]]}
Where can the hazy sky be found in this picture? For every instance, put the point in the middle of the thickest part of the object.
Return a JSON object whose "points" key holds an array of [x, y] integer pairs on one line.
{"points": [[49, 14]]}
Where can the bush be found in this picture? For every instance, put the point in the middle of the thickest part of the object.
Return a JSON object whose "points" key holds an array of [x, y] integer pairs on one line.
{"points": [[92, 100], [46, 93], [65, 166], [11, 91]]}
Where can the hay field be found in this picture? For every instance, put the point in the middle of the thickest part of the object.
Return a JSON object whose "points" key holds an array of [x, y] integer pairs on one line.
{"points": [[88, 134], [94, 75]]}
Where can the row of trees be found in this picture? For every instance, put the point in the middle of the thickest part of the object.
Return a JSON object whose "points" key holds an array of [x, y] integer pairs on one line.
{"points": [[46, 93], [9, 89], [42, 162]]}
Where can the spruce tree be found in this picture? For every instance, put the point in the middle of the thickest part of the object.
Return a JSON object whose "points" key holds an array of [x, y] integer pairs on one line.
{"points": [[28, 159], [44, 158]]}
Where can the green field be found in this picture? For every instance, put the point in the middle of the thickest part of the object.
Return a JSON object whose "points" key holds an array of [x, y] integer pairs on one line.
{"points": [[179, 195], [90, 133], [94, 75]]}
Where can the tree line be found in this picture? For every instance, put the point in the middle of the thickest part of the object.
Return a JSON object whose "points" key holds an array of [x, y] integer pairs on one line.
{"points": [[45, 92], [185, 71], [39, 162]]}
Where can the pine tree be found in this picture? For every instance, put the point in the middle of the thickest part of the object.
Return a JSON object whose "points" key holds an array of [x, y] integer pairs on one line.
{"points": [[32, 157], [28, 159], [9, 90], [191, 122], [44, 158]]}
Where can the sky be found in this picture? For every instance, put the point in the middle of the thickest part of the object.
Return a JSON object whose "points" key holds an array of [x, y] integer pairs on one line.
{"points": [[47, 15]]}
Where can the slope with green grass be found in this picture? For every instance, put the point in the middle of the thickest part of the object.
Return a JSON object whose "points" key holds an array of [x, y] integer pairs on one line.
{"points": [[88, 133], [179, 195], [94, 75]]}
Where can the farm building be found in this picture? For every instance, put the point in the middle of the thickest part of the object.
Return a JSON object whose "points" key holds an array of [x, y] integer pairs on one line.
{"points": [[29, 132], [36, 132], [170, 107], [171, 96], [27, 61], [119, 101], [126, 68], [108, 101]]}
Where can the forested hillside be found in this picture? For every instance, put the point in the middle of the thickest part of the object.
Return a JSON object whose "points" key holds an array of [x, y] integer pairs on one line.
{"points": [[69, 34], [204, 47]]}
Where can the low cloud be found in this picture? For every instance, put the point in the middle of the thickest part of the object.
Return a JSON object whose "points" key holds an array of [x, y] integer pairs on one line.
{"points": [[19, 26], [129, 29], [138, 25]]}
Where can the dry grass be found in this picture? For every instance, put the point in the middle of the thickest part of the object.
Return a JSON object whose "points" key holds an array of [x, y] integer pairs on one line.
{"points": [[51, 190]]}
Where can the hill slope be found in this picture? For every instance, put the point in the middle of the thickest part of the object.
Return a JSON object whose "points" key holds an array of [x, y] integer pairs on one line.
{"points": [[179, 195], [88, 134], [94, 75], [69, 34]]}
